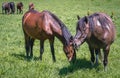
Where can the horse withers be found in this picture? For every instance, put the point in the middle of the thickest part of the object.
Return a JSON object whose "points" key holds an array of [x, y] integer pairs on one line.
{"points": [[98, 31], [45, 25]]}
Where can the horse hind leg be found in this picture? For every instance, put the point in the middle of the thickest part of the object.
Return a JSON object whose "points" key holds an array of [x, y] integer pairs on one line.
{"points": [[31, 46], [41, 48], [101, 56], [52, 49], [27, 44], [92, 55], [105, 61], [97, 52]]}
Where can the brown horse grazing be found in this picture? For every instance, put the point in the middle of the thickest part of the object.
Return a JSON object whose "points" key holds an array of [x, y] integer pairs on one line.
{"points": [[20, 7], [45, 25], [6, 8], [98, 31]]}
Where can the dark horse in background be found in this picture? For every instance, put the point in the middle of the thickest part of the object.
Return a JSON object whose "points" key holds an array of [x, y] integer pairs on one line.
{"points": [[8, 7], [19, 7], [5, 8], [98, 31], [12, 7], [45, 25]]}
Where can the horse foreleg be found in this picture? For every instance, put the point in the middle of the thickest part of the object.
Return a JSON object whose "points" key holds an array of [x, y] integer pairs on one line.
{"points": [[41, 48], [52, 48], [31, 46], [105, 61], [92, 55]]}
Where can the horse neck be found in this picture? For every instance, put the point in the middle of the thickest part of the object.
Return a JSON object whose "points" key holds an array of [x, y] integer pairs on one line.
{"points": [[61, 38], [63, 35], [59, 29]]}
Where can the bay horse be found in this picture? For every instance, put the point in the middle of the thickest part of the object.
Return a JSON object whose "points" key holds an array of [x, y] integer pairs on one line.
{"points": [[5, 8], [98, 31], [19, 7], [45, 25]]}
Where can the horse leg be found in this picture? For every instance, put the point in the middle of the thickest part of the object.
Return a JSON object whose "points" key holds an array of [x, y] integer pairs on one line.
{"points": [[105, 61], [92, 55], [22, 11], [5, 11], [27, 44], [97, 51], [41, 48], [52, 48], [8, 11], [17, 11], [31, 46]]}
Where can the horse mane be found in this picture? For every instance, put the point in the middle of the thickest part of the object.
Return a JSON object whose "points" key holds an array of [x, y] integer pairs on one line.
{"points": [[65, 32], [101, 17]]}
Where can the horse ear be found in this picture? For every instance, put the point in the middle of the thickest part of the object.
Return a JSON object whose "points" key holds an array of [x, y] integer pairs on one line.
{"points": [[78, 17], [86, 19]]}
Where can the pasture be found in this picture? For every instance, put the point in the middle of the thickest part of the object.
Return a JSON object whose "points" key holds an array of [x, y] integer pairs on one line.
{"points": [[13, 62]]}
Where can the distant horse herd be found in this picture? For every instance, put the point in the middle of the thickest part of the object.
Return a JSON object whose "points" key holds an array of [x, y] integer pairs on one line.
{"points": [[97, 30], [9, 7]]}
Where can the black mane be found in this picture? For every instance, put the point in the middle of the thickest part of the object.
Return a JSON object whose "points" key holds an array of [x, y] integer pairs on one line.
{"points": [[65, 32]]}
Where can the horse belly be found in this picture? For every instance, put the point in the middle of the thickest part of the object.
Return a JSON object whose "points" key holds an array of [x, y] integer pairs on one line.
{"points": [[94, 43], [37, 33]]}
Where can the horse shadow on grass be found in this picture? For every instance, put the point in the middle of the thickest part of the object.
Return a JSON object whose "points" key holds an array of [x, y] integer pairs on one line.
{"points": [[23, 57], [80, 64]]}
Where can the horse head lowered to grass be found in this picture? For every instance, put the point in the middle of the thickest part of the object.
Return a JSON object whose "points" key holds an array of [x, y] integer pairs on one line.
{"points": [[45, 25], [98, 31]]}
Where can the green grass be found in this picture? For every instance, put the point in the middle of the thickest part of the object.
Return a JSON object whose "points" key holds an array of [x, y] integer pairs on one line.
{"points": [[13, 63]]}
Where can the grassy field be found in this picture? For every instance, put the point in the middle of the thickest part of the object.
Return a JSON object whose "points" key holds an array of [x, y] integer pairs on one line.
{"points": [[13, 63]]}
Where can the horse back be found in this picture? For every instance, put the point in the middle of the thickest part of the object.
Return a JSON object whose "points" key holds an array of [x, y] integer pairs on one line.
{"points": [[36, 24]]}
